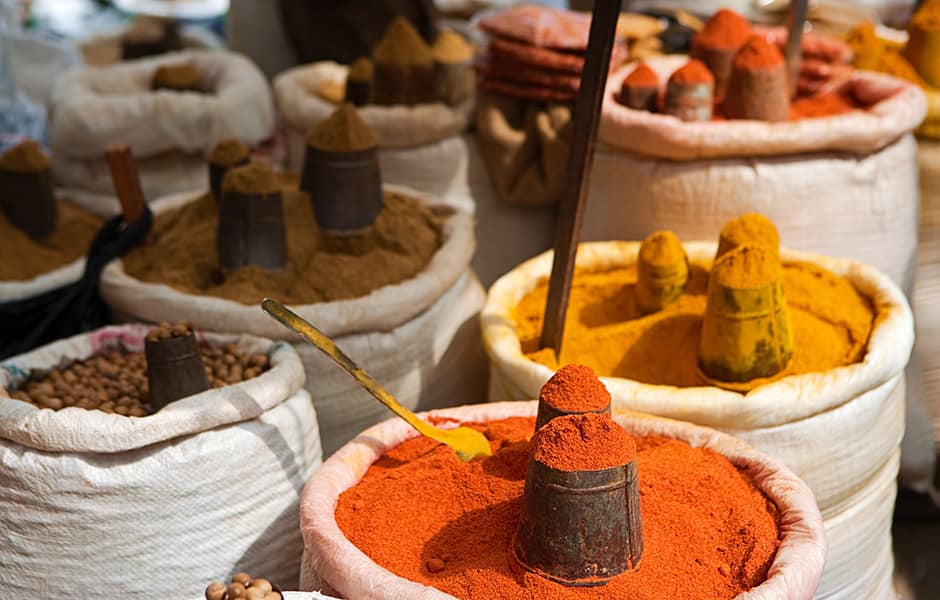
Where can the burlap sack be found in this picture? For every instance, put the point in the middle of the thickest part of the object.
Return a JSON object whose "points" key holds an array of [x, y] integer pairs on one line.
{"points": [[153, 506], [168, 132], [334, 565], [834, 429]]}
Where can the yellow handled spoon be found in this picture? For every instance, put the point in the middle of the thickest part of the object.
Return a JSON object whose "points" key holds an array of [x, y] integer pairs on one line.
{"points": [[467, 443]]}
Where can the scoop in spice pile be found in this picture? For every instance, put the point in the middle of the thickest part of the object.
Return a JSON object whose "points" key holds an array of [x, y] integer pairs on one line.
{"points": [[243, 586]]}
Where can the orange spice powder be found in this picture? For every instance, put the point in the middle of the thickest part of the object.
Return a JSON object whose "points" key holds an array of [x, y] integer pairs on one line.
{"points": [[692, 72]]}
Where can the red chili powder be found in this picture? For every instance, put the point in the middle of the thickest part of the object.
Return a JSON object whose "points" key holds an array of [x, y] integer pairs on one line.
{"points": [[424, 515], [588, 442], [824, 105], [575, 388], [642, 77], [725, 30], [691, 72], [758, 53]]}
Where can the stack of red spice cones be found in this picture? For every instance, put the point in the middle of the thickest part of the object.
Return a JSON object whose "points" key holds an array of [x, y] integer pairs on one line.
{"points": [[536, 53]]}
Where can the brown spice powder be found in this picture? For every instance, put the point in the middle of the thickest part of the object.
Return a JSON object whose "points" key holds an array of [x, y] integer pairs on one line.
{"points": [[183, 253], [402, 45], [343, 131], [451, 47], [26, 258], [361, 70], [253, 178], [228, 152], [25, 157]]}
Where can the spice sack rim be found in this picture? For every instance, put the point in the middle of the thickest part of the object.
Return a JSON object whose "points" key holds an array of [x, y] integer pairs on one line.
{"points": [[74, 429], [798, 563], [19, 289], [397, 125], [886, 355], [899, 107], [93, 106], [399, 302]]}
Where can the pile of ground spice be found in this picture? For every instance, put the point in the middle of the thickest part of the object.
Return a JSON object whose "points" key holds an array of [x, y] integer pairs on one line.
{"points": [[74, 230], [361, 70], [588, 442], [692, 72], [182, 253], [823, 105], [25, 157], [451, 47], [426, 516], [749, 228], [575, 388], [342, 131], [724, 30], [402, 45], [747, 267], [642, 77], [228, 152], [758, 53], [253, 178], [605, 329]]}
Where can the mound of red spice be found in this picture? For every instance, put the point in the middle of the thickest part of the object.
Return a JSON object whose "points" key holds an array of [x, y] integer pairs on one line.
{"points": [[824, 105], [424, 515], [642, 77], [575, 388], [725, 29], [588, 442], [758, 53], [691, 72]]}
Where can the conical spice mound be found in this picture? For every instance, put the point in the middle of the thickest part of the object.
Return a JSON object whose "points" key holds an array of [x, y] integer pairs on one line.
{"points": [[343, 131]]}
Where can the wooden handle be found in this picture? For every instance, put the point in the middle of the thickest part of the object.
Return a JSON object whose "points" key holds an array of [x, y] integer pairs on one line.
{"points": [[126, 182], [587, 112], [794, 48]]}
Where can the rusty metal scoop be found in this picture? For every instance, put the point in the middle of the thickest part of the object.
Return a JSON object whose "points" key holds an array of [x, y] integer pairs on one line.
{"points": [[467, 443]]}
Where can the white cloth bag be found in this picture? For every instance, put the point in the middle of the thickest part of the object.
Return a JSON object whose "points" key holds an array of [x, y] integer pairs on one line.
{"points": [[154, 506], [334, 565], [834, 429], [95, 107], [419, 337]]}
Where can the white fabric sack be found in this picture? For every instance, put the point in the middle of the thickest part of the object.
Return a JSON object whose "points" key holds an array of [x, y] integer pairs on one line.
{"points": [[334, 565], [95, 107], [153, 506], [38, 61], [834, 429], [418, 337], [18, 290]]}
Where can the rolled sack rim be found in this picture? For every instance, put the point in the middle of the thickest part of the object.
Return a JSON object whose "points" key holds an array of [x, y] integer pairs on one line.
{"points": [[399, 302], [901, 109], [796, 569], [397, 126], [887, 353], [21, 289], [75, 429], [186, 122]]}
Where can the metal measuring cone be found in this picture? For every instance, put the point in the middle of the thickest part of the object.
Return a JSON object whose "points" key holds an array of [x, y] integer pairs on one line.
{"points": [[404, 66], [753, 229], [454, 76], [573, 390], [341, 172], [251, 219], [758, 87], [28, 198], [662, 271], [359, 82], [690, 93], [227, 154], [746, 328], [174, 364], [640, 89], [716, 44], [581, 526]]}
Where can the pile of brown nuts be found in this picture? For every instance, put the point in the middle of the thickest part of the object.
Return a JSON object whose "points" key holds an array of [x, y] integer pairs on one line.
{"points": [[243, 587], [116, 381]]}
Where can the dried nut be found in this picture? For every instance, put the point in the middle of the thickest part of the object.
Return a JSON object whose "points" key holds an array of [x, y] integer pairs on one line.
{"points": [[262, 584], [242, 578], [53, 403], [254, 594], [215, 591], [235, 590]]}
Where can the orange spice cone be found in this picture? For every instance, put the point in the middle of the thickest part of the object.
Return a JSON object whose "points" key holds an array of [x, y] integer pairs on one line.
{"points": [[758, 87], [746, 328], [572, 390], [359, 82], [716, 44], [662, 271], [404, 66], [752, 229], [690, 93], [227, 154], [640, 89]]}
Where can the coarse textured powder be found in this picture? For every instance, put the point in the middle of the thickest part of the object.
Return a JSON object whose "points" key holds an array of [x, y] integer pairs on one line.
{"points": [[183, 77], [426, 516], [74, 230], [642, 77], [927, 16], [749, 228], [575, 388], [725, 30], [588, 442], [692, 72], [253, 178], [747, 267], [605, 329], [402, 45], [25, 157], [228, 152], [361, 70], [451, 47], [662, 249], [758, 53], [183, 255], [823, 105], [342, 131]]}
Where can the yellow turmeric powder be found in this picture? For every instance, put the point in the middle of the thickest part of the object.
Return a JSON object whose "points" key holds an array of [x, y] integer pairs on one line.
{"points": [[923, 42], [605, 330]]}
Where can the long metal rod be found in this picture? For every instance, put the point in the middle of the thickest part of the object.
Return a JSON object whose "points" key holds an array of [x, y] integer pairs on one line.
{"points": [[587, 113], [794, 48]]}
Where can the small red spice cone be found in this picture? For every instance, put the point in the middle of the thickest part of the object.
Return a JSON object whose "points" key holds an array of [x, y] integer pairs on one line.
{"points": [[690, 93], [573, 390], [640, 89], [758, 87], [716, 44]]}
